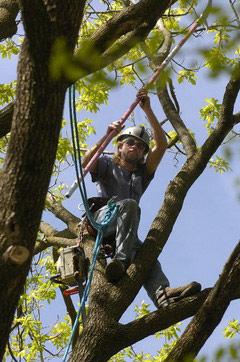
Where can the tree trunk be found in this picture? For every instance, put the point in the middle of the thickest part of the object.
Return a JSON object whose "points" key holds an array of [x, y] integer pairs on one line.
{"points": [[33, 144]]}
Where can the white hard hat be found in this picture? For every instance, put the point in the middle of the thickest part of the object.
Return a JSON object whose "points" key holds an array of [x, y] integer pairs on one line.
{"points": [[138, 132]]}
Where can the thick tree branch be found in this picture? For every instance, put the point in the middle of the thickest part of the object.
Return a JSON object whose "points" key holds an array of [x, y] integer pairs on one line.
{"points": [[229, 98], [145, 11], [53, 238], [6, 115], [47, 229], [236, 118], [169, 108], [161, 319], [122, 336], [134, 22], [125, 335], [63, 214], [8, 12], [211, 312], [59, 242], [122, 47], [176, 121]]}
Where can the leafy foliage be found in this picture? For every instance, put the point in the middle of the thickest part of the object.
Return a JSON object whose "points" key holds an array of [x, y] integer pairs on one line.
{"points": [[210, 113], [187, 75], [31, 339], [7, 92], [219, 164], [232, 329], [216, 60], [168, 338], [3, 148], [9, 48], [92, 95]]}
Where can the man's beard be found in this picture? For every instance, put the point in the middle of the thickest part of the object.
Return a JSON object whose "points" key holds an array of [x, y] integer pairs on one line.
{"points": [[132, 160]]}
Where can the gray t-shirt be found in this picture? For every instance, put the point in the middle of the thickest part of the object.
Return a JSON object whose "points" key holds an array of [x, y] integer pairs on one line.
{"points": [[114, 181]]}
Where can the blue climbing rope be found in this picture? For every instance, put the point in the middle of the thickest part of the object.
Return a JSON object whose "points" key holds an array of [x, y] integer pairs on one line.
{"points": [[100, 227]]}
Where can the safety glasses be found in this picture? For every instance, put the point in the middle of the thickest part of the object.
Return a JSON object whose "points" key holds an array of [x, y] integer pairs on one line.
{"points": [[130, 141]]}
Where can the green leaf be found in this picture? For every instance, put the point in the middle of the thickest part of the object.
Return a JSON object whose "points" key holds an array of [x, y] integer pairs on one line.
{"points": [[232, 329], [60, 333], [92, 95], [210, 113], [187, 75], [8, 48], [7, 92], [220, 165], [215, 60], [142, 310], [127, 75]]}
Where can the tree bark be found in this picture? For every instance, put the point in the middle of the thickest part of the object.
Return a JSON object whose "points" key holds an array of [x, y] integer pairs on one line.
{"points": [[8, 12], [114, 336], [33, 143]]}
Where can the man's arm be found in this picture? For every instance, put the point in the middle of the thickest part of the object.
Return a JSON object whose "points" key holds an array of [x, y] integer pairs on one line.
{"points": [[156, 153], [89, 154]]}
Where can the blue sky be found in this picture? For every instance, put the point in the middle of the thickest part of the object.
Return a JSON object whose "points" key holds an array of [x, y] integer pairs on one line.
{"points": [[207, 229]]}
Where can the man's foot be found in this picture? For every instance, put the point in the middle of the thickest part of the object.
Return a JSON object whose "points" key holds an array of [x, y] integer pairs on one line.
{"points": [[115, 270], [169, 295]]}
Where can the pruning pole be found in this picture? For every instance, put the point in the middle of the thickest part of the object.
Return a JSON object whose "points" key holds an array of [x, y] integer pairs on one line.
{"points": [[108, 137]]}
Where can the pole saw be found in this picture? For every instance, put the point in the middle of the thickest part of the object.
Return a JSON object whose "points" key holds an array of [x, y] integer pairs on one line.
{"points": [[108, 137]]}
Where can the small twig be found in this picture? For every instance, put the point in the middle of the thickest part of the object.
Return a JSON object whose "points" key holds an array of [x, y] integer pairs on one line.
{"points": [[196, 69], [139, 78], [235, 11]]}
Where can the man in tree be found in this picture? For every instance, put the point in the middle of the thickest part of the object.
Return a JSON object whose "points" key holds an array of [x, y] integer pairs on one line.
{"points": [[124, 178]]}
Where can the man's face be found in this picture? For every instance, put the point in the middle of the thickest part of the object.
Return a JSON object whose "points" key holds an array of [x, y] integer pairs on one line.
{"points": [[132, 150]]}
